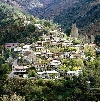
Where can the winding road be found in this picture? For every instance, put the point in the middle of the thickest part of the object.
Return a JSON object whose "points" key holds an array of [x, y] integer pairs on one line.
{"points": [[14, 64]]}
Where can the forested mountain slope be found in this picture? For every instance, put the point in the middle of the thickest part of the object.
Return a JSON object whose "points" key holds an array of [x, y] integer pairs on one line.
{"points": [[45, 9], [85, 13], [55, 7], [18, 26]]}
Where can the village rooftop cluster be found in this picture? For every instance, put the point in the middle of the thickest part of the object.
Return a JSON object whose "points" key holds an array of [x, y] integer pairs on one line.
{"points": [[46, 55]]}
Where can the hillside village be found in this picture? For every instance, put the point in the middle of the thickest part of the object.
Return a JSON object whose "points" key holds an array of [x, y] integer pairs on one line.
{"points": [[50, 60], [46, 57], [44, 61]]}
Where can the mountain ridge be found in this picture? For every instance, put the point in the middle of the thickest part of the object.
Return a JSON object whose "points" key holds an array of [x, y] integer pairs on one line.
{"points": [[65, 12], [42, 8]]}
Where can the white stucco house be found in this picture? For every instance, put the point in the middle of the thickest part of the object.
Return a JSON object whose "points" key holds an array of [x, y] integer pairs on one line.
{"points": [[26, 48], [70, 74], [55, 63], [48, 74]]}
